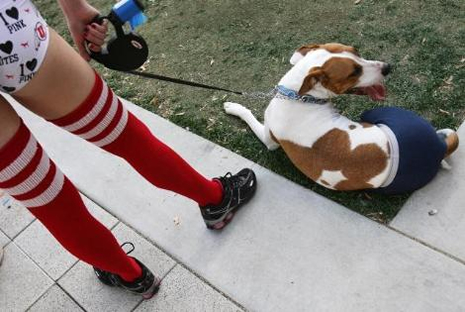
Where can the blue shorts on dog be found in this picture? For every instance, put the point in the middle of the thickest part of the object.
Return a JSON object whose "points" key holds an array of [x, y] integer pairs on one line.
{"points": [[420, 156]]}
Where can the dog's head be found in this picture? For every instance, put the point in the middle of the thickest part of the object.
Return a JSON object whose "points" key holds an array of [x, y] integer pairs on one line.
{"points": [[327, 70]]}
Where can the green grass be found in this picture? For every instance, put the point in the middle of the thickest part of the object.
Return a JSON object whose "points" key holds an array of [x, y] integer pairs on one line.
{"points": [[246, 45]]}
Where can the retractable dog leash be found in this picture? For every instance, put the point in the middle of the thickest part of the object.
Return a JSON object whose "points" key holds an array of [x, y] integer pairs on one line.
{"points": [[127, 51]]}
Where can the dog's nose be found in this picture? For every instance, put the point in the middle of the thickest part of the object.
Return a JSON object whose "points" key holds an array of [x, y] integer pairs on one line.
{"points": [[386, 69]]}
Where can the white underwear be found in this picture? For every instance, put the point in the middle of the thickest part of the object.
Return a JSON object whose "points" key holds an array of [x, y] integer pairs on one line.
{"points": [[24, 40]]}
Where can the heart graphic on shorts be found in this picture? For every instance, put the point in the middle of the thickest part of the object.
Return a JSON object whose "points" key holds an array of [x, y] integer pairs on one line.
{"points": [[13, 13], [31, 65], [6, 47], [8, 89]]}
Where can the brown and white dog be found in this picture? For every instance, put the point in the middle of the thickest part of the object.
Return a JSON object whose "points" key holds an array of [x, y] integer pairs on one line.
{"points": [[332, 150]]}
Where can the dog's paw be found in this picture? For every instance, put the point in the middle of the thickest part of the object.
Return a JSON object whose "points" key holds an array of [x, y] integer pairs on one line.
{"points": [[445, 165], [235, 109]]}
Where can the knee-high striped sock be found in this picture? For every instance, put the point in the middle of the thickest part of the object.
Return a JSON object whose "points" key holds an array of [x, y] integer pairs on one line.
{"points": [[102, 119], [27, 174]]}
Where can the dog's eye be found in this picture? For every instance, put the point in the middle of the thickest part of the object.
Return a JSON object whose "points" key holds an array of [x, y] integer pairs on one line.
{"points": [[357, 71]]}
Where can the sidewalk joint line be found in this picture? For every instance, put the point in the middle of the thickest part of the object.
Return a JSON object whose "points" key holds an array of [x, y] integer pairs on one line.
{"points": [[71, 297], [23, 229], [40, 268], [213, 287], [33, 260], [417, 240], [169, 271], [40, 297]]}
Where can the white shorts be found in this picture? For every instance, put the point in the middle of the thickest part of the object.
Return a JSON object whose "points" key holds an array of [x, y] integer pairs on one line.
{"points": [[24, 39]]}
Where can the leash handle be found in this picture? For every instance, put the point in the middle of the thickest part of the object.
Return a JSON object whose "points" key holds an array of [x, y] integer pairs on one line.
{"points": [[127, 50], [124, 52]]}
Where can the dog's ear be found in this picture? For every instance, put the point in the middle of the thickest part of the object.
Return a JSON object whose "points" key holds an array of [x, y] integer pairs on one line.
{"points": [[314, 75], [301, 52]]}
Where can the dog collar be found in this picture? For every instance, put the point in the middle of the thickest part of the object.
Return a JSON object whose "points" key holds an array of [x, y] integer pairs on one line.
{"points": [[293, 95]]}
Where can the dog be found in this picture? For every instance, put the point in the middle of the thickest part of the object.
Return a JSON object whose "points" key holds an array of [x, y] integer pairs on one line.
{"points": [[391, 150]]}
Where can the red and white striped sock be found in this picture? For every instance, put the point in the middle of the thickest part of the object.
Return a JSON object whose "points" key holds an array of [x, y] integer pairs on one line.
{"points": [[102, 119], [27, 174]]}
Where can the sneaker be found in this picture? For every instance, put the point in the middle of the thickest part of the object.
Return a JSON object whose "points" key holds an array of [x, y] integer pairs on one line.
{"points": [[238, 190], [147, 285]]}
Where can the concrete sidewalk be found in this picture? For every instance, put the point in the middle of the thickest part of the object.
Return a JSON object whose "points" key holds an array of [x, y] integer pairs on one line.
{"points": [[288, 250], [40, 275], [446, 196]]}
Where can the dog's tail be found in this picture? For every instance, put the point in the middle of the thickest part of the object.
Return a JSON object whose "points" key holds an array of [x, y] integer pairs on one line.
{"points": [[451, 138]]}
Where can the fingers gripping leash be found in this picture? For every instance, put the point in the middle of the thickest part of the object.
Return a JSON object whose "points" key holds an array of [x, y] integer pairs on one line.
{"points": [[127, 50]]}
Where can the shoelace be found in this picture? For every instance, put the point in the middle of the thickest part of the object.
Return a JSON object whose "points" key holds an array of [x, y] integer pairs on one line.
{"points": [[132, 246], [232, 180], [145, 283]]}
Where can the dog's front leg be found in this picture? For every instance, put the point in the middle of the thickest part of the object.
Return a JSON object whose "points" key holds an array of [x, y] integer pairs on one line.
{"points": [[259, 129]]}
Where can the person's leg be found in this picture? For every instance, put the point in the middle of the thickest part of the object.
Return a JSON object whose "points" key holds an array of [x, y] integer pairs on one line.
{"points": [[9, 122], [27, 174], [78, 100]]}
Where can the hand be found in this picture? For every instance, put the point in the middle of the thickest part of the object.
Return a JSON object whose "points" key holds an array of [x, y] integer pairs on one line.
{"points": [[82, 30]]}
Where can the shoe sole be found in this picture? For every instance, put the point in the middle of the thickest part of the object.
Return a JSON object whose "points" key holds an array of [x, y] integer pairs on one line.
{"points": [[222, 224], [152, 291]]}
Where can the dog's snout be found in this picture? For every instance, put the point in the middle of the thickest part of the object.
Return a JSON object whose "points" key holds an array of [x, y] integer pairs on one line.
{"points": [[386, 69]]}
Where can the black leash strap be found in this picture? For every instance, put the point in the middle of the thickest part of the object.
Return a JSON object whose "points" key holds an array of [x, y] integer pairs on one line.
{"points": [[179, 81]]}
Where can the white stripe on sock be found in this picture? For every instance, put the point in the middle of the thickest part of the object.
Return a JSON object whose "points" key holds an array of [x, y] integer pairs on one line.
{"points": [[116, 131], [34, 179], [49, 194], [102, 125], [21, 162], [84, 121]]}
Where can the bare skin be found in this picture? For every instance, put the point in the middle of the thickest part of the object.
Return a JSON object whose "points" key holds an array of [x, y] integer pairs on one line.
{"points": [[9, 121], [63, 82], [65, 78]]}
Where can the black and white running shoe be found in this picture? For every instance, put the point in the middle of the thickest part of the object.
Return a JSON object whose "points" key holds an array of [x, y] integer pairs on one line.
{"points": [[238, 190], [147, 285]]}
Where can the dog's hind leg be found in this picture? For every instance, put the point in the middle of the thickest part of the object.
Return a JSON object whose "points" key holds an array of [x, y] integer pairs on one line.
{"points": [[451, 139], [259, 129]]}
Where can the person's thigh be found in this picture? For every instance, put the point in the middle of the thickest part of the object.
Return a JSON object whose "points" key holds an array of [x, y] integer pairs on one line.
{"points": [[9, 121], [63, 81]]}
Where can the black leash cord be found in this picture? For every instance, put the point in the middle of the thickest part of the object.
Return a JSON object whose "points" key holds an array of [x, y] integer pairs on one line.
{"points": [[179, 81]]}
